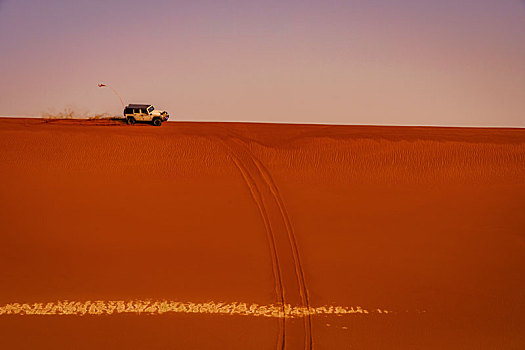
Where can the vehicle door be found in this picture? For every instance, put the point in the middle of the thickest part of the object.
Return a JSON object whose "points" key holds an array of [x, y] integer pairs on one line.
{"points": [[136, 113], [144, 114]]}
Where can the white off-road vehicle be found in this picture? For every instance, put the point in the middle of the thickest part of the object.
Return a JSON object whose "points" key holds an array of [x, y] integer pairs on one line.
{"points": [[144, 113]]}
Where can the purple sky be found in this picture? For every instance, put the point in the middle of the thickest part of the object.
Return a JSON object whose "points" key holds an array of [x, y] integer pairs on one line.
{"points": [[415, 62]]}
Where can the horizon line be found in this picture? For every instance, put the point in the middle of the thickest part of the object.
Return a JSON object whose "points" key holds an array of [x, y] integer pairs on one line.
{"points": [[293, 122]]}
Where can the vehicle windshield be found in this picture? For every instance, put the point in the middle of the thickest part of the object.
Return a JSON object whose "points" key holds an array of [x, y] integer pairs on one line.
{"points": [[150, 109]]}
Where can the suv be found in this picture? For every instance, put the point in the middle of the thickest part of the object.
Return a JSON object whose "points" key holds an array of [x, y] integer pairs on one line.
{"points": [[146, 113]]}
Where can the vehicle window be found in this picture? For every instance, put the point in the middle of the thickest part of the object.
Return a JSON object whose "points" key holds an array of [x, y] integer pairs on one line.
{"points": [[150, 109], [143, 111], [136, 110]]}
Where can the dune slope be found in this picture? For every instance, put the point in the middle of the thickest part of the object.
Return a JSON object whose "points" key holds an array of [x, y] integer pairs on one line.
{"points": [[232, 235]]}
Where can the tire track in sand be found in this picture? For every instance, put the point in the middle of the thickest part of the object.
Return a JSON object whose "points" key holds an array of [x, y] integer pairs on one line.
{"points": [[256, 195], [303, 290], [288, 271]]}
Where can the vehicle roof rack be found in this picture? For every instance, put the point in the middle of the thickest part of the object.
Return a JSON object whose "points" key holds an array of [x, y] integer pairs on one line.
{"points": [[137, 106]]}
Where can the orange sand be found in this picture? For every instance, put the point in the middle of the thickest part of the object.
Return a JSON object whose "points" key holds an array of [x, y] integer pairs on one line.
{"points": [[424, 223]]}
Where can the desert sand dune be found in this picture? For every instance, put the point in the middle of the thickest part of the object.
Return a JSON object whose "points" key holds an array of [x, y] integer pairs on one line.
{"points": [[233, 235]]}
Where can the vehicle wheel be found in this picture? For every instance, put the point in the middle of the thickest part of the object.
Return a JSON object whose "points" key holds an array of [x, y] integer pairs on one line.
{"points": [[157, 122], [131, 120]]}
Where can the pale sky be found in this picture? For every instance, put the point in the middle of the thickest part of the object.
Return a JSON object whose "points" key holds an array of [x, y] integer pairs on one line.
{"points": [[413, 62]]}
